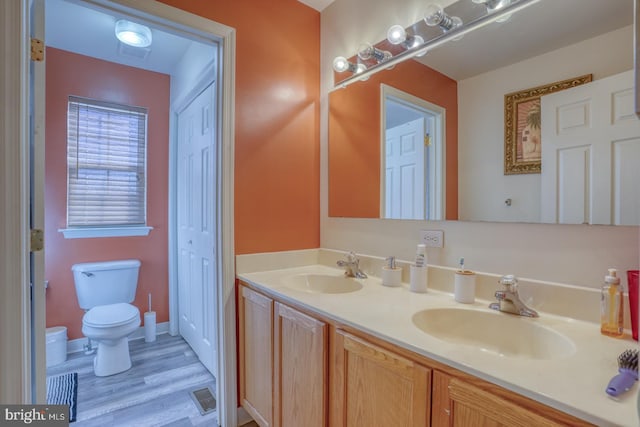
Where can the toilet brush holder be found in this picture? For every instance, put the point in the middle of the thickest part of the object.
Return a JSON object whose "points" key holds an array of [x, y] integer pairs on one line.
{"points": [[150, 326]]}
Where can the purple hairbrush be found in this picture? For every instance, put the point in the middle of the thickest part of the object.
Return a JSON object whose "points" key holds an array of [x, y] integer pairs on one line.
{"points": [[628, 373]]}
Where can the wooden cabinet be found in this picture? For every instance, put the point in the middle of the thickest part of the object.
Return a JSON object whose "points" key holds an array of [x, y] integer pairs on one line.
{"points": [[372, 386], [459, 403], [300, 370], [255, 347], [283, 363]]}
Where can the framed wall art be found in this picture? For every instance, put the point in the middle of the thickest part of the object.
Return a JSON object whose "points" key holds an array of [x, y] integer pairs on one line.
{"points": [[522, 143]]}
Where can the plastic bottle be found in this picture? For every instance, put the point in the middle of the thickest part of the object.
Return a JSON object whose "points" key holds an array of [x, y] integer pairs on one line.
{"points": [[611, 306], [418, 277], [421, 258]]}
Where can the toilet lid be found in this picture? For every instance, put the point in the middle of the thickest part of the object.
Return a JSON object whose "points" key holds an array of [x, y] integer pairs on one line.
{"points": [[110, 315]]}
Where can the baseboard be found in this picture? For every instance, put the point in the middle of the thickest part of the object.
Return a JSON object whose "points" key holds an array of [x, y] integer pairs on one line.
{"points": [[74, 346]]}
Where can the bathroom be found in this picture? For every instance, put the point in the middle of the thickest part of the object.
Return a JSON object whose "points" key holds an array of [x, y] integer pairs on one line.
{"points": [[573, 254]]}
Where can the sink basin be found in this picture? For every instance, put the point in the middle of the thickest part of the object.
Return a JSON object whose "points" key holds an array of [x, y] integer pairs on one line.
{"points": [[498, 333], [322, 283]]}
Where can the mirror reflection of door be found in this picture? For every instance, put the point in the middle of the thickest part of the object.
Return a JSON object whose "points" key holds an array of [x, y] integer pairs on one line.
{"points": [[412, 175]]}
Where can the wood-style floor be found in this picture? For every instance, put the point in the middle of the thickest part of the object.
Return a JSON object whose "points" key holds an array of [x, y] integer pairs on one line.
{"points": [[154, 392]]}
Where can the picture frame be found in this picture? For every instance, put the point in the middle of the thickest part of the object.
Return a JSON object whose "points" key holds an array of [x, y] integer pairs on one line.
{"points": [[522, 144]]}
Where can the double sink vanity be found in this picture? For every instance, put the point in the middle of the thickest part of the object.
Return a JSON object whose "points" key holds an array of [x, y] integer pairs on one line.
{"points": [[321, 349]]}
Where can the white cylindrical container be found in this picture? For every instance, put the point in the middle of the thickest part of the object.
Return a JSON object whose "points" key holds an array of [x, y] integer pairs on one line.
{"points": [[150, 326], [56, 345], [464, 287], [418, 279], [391, 276]]}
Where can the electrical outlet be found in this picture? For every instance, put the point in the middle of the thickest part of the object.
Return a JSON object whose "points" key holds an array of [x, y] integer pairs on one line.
{"points": [[432, 238]]}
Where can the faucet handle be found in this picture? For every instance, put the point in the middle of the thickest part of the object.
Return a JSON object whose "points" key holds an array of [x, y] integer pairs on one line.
{"points": [[510, 282]]}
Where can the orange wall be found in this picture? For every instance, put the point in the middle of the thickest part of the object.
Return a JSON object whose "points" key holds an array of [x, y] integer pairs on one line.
{"points": [[354, 134], [277, 134], [72, 74]]}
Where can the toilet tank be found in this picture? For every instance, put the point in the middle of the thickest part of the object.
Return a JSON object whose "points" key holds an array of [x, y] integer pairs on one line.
{"points": [[101, 283]]}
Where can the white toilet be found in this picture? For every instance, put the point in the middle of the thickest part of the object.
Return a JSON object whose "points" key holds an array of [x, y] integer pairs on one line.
{"points": [[106, 290]]}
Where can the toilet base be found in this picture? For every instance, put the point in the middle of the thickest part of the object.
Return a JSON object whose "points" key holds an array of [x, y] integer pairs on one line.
{"points": [[112, 357]]}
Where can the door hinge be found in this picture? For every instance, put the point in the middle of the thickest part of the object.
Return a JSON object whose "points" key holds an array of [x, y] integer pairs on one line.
{"points": [[427, 140], [37, 240], [37, 50]]}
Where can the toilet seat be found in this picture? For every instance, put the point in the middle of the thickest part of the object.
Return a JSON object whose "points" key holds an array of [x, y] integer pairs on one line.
{"points": [[111, 315]]}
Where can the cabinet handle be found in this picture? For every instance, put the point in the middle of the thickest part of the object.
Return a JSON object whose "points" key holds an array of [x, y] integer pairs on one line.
{"points": [[448, 412]]}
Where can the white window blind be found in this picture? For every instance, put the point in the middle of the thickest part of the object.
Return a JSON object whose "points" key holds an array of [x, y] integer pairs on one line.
{"points": [[106, 164]]}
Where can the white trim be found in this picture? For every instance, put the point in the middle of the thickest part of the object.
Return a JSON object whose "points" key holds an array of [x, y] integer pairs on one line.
{"points": [[15, 322], [77, 345], [124, 231], [437, 186]]}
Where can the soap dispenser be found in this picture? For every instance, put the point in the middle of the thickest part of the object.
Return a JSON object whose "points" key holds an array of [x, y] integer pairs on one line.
{"points": [[611, 306]]}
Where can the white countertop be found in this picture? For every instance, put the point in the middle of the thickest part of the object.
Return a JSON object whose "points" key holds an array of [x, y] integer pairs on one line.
{"points": [[574, 384]]}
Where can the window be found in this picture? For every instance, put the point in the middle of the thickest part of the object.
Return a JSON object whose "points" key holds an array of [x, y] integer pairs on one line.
{"points": [[106, 165]]}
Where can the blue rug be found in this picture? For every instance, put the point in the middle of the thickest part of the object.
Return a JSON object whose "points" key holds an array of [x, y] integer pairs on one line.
{"points": [[63, 390]]}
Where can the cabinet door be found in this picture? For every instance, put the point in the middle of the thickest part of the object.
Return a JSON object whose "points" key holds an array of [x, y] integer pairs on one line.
{"points": [[440, 400], [374, 387], [300, 370], [474, 406], [255, 346]]}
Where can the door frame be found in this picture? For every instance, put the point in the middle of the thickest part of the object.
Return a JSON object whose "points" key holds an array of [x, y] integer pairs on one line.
{"points": [[436, 157], [15, 359]]}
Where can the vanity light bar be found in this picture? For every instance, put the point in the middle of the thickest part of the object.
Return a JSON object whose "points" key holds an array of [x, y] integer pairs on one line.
{"points": [[511, 8]]}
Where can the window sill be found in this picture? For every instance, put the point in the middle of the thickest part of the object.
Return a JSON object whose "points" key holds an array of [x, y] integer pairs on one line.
{"points": [[82, 233]]}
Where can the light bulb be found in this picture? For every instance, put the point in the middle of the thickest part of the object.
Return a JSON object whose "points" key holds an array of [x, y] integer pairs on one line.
{"points": [[340, 64], [396, 34], [436, 16], [493, 5], [367, 51], [433, 15], [414, 42]]}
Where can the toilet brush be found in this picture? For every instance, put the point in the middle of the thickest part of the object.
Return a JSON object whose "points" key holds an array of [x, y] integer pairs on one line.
{"points": [[628, 373], [150, 324]]}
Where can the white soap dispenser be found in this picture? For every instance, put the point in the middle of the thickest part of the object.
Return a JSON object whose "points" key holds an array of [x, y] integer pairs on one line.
{"points": [[418, 271]]}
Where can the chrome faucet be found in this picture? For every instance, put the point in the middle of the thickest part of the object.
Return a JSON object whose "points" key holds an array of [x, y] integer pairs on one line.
{"points": [[509, 300], [352, 266]]}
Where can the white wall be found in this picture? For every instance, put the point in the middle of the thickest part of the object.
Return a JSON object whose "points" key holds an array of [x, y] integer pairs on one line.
{"points": [[483, 187], [573, 254], [197, 60]]}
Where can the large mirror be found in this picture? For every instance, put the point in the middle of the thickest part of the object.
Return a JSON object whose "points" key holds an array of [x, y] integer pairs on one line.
{"points": [[450, 105]]}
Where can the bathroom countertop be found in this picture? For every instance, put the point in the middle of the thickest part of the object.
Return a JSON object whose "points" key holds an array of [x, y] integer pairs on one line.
{"points": [[574, 384]]}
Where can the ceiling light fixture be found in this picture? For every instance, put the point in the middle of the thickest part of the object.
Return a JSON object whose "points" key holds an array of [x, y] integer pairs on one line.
{"points": [[133, 34]]}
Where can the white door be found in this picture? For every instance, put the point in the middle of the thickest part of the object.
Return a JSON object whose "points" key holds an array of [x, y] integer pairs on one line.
{"points": [[405, 171], [591, 154], [196, 186]]}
